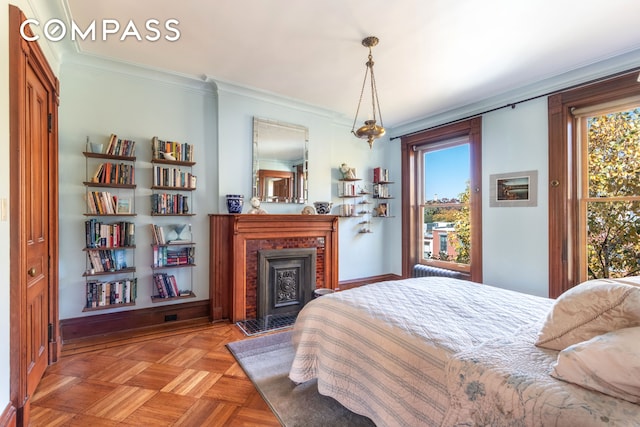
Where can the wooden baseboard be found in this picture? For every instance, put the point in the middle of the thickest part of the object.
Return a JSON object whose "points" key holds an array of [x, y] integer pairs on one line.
{"points": [[354, 283], [91, 332], [8, 417]]}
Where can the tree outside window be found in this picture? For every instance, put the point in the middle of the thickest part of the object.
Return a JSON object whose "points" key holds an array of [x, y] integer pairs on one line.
{"points": [[611, 194]]}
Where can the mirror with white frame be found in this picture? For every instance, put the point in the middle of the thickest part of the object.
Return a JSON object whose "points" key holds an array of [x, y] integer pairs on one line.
{"points": [[279, 161]]}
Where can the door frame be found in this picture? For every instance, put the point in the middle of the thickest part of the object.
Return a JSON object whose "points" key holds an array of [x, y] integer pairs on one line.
{"points": [[23, 54]]}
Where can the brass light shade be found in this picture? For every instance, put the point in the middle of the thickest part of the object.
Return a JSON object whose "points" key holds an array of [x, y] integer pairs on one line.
{"points": [[370, 130]]}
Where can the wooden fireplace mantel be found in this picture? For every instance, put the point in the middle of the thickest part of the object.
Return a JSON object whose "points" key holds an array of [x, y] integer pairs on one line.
{"points": [[230, 238]]}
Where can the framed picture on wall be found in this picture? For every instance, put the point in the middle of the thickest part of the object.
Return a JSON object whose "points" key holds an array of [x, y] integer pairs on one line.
{"points": [[514, 189]]}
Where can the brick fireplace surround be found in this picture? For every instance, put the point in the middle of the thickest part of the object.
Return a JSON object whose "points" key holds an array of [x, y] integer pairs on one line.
{"points": [[235, 242]]}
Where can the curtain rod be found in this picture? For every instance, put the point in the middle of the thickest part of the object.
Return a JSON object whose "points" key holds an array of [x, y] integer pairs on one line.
{"points": [[513, 104]]}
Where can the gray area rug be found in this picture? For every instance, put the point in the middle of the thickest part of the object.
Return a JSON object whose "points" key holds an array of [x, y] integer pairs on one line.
{"points": [[267, 360]]}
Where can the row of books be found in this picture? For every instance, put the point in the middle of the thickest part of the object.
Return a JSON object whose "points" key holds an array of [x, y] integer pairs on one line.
{"points": [[179, 150], [102, 260], [380, 175], [160, 233], [169, 204], [102, 235], [101, 202], [114, 173], [347, 188], [381, 191], [121, 147], [173, 177], [105, 203], [167, 286], [164, 256], [101, 294]]}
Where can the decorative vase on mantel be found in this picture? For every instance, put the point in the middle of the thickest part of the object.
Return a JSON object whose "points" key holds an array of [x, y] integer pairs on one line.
{"points": [[323, 208], [234, 203]]}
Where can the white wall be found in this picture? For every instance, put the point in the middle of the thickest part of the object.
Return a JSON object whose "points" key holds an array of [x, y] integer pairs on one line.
{"points": [[98, 99]]}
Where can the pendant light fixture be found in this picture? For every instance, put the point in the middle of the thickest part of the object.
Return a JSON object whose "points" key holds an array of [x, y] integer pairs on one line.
{"points": [[371, 130]]}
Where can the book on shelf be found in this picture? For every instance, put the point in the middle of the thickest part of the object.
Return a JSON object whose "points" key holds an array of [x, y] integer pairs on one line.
{"points": [[158, 234], [180, 151], [103, 294], [381, 191], [120, 259], [114, 173], [167, 204], [173, 177], [120, 147], [164, 256], [167, 286], [101, 203], [380, 175], [103, 235], [107, 260]]}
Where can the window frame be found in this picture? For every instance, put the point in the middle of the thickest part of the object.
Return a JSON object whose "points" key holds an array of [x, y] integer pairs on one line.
{"points": [[584, 198], [412, 190], [564, 174]]}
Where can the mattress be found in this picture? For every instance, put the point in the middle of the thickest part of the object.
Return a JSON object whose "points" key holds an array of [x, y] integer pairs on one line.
{"points": [[382, 350]]}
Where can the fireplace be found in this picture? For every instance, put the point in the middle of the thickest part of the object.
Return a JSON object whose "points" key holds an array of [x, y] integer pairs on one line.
{"points": [[286, 281], [236, 241]]}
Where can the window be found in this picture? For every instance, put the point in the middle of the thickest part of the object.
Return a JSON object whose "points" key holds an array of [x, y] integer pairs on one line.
{"points": [[441, 198], [609, 191], [570, 173], [443, 244], [445, 170]]}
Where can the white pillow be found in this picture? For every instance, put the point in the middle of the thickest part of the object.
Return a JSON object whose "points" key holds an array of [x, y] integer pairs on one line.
{"points": [[608, 363], [591, 308]]}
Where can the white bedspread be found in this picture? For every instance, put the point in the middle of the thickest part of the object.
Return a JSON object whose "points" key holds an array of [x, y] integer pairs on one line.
{"points": [[381, 350]]}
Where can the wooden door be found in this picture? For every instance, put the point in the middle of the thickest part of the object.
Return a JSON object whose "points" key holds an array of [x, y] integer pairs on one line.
{"points": [[36, 216], [33, 159]]}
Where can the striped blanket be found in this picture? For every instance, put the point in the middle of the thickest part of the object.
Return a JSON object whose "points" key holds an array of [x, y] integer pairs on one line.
{"points": [[382, 349]]}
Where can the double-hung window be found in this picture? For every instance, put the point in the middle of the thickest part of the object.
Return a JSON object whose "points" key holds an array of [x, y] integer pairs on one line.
{"points": [[593, 174], [442, 198]]}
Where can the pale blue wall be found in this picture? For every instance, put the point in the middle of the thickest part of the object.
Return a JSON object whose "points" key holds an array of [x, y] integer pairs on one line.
{"points": [[515, 241], [98, 99], [330, 144]]}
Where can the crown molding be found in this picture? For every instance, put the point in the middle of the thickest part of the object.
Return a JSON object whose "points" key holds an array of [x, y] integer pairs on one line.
{"points": [[190, 82], [611, 65], [270, 97]]}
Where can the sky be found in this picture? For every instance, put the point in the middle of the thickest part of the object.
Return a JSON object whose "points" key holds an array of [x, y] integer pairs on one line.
{"points": [[446, 172]]}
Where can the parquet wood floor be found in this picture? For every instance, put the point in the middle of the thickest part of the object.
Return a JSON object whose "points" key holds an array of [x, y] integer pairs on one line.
{"points": [[185, 379]]}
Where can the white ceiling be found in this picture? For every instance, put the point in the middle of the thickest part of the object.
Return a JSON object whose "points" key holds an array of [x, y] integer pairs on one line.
{"points": [[433, 56]]}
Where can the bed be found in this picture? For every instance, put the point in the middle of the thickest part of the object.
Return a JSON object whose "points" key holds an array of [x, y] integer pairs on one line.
{"points": [[440, 351]]}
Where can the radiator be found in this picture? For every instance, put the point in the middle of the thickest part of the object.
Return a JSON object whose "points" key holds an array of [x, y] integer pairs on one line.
{"points": [[420, 270]]}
